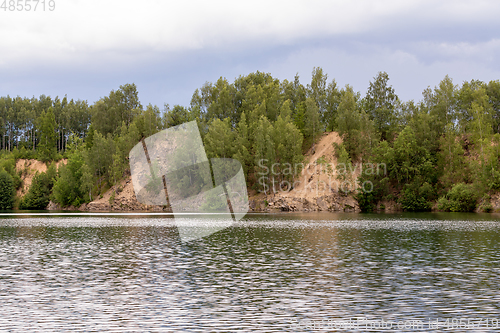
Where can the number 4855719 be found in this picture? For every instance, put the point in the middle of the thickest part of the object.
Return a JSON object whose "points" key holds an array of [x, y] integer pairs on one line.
{"points": [[27, 5]]}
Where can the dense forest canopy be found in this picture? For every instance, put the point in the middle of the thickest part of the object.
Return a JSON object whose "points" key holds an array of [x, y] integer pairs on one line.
{"points": [[443, 149]]}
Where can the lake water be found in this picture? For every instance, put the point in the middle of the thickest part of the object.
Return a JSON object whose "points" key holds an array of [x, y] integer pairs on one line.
{"points": [[267, 273]]}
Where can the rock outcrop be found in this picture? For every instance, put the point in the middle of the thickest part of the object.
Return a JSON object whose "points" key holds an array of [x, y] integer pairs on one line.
{"points": [[325, 203]]}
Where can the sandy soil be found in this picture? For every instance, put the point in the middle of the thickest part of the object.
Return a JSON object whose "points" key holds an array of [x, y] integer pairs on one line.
{"points": [[317, 187], [29, 169]]}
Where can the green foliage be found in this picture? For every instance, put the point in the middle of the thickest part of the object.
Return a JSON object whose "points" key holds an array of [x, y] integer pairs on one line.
{"points": [[112, 198], [451, 159], [423, 126], [409, 160], [325, 166], [24, 153], [100, 158], [264, 152], [452, 136], [317, 90], [220, 139], [287, 141], [344, 163], [417, 198], [8, 163], [380, 103], [87, 182], [47, 147], [243, 145], [145, 123], [312, 126], [66, 190], [491, 167], [38, 196], [333, 97], [176, 116], [373, 189], [460, 198], [442, 105], [7, 190], [493, 92], [120, 106], [214, 203], [485, 205], [354, 126]]}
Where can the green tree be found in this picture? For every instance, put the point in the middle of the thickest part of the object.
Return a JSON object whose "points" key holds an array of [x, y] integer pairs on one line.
{"points": [[120, 106], [176, 116], [87, 181], [410, 160], [66, 190], [480, 125], [317, 90], [243, 145], [380, 102], [451, 159], [460, 198], [219, 141], [354, 127], [100, 157], [47, 146], [493, 91], [312, 124], [287, 141], [333, 97], [38, 196], [265, 154], [7, 191], [416, 197]]}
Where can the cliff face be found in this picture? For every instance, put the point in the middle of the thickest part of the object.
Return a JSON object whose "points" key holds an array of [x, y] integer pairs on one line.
{"points": [[320, 186]]}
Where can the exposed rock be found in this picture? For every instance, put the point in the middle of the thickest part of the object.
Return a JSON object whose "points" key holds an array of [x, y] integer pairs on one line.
{"points": [[331, 203]]}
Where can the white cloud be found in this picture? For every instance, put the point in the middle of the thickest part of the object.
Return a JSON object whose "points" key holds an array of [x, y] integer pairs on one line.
{"points": [[85, 42], [78, 30]]}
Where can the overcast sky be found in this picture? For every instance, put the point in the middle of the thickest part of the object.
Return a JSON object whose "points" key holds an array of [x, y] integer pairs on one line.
{"points": [[87, 48]]}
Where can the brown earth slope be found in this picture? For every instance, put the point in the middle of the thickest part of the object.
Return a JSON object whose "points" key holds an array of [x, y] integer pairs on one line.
{"points": [[28, 169], [318, 187], [120, 197]]}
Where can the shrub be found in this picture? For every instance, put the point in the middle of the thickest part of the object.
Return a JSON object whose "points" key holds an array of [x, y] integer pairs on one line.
{"points": [[112, 198], [214, 203], [67, 188], [460, 198], [367, 200], [416, 198]]}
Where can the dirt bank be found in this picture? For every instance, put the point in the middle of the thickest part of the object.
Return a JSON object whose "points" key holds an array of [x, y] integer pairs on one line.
{"points": [[28, 169], [318, 188]]}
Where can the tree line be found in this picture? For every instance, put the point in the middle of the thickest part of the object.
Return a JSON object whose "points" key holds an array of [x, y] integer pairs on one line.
{"points": [[442, 150]]}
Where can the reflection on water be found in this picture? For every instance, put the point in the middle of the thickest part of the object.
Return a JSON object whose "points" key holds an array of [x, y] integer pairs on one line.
{"points": [[261, 274]]}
